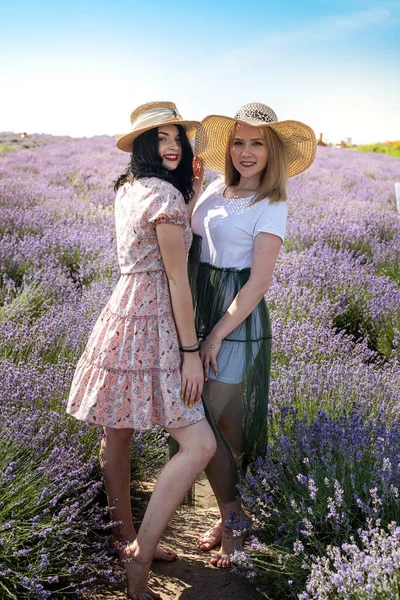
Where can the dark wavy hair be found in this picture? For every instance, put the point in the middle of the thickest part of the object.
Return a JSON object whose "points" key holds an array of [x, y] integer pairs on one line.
{"points": [[146, 162]]}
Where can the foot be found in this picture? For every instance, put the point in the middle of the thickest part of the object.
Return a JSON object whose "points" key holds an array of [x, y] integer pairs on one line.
{"points": [[137, 574], [222, 560], [211, 538], [166, 554], [161, 553], [229, 544]]}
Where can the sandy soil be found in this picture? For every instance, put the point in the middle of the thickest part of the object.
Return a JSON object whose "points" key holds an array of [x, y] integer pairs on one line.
{"points": [[191, 576]]}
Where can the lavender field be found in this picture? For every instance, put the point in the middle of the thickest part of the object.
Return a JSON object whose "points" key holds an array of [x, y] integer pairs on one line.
{"points": [[324, 500]]}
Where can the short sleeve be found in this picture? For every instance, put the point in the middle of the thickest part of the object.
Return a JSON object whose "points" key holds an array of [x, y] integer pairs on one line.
{"points": [[272, 220], [167, 206]]}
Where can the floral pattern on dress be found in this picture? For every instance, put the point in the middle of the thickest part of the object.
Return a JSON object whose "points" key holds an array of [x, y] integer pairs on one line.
{"points": [[130, 372]]}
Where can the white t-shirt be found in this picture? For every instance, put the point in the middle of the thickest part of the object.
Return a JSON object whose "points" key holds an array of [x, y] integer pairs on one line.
{"points": [[228, 226]]}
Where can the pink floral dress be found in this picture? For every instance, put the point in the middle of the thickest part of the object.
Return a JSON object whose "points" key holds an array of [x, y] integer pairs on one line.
{"points": [[130, 372]]}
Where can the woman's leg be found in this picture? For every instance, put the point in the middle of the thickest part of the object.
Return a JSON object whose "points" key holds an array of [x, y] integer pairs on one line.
{"points": [[224, 403], [197, 447], [116, 467]]}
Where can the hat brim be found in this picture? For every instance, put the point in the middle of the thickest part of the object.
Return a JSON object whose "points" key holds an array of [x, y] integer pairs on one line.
{"points": [[125, 142], [298, 139]]}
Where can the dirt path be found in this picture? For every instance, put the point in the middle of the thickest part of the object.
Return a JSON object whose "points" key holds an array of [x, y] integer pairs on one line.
{"points": [[191, 577]]}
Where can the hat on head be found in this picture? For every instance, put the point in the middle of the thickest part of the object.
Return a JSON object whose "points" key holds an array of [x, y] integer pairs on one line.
{"points": [[152, 115], [297, 138]]}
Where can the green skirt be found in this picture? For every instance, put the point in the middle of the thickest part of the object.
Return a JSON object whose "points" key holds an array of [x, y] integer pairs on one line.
{"points": [[245, 355]]}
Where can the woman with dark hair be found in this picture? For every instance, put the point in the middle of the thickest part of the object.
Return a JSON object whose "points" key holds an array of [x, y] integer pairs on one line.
{"points": [[147, 162], [141, 366], [240, 221]]}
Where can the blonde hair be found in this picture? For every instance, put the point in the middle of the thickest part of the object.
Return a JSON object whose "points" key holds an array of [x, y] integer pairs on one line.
{"points": [[273, 180]]}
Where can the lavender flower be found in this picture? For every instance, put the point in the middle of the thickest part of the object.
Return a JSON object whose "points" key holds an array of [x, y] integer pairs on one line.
{"points": [[333, 462]]}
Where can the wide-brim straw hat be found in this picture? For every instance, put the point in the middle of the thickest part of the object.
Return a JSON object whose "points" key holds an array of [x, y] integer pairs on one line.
{"points": [[298, 139], [150, 115]]}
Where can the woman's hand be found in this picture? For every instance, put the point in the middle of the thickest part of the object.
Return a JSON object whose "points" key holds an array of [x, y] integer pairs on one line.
{"points": [[198, 173], [192, 378], [208, 353]]}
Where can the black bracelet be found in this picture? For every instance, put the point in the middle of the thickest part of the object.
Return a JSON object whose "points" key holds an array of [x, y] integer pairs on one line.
{"points": [[186, 350]]}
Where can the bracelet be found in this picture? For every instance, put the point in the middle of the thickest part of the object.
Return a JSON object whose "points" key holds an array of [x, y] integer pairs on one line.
{"points": [[212, 345], [183, 349], [190, 347]]}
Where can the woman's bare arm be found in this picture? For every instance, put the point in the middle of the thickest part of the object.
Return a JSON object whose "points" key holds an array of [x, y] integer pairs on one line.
{"points": [[171, 242]]}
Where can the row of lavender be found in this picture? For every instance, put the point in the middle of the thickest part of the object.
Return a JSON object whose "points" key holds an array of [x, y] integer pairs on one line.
{"points": [[325, 499], [57, 268], [333, 464]]}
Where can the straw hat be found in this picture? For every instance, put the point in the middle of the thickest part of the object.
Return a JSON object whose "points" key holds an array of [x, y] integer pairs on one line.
{"points": [[151, 115], [213, 135]]}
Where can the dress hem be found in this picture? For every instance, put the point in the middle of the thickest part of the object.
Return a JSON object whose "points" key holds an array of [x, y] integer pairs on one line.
{"points": [[91, 421]]}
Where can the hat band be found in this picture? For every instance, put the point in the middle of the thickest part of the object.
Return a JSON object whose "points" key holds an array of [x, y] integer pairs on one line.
{"points": [[153, 117], [255, 122]]}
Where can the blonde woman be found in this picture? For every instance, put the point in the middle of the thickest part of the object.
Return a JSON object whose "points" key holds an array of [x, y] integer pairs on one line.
{"points": [[240, 223]]}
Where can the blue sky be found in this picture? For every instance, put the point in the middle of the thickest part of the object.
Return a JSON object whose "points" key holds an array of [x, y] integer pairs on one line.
{"points": [[79, 68]]}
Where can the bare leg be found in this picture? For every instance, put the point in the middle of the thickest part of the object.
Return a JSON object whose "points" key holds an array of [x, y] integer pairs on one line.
{"points": [[197, 447], [116, 467], [224, 403]]}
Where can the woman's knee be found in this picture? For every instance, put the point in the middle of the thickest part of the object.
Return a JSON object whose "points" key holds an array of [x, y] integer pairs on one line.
{"points": [[205, 446], [209, 446], [199, 442], [121, 435]]}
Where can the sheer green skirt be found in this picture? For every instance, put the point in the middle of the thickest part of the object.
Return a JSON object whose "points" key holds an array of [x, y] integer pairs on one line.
{"points": [[245, 355]]}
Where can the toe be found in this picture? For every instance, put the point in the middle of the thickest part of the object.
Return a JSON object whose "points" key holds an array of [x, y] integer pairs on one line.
{"points": [[221, 561], [215, 560], [204, 546]]}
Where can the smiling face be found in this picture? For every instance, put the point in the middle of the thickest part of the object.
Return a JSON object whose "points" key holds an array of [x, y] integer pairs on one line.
{"points": [[248, 151], [169, 146]]}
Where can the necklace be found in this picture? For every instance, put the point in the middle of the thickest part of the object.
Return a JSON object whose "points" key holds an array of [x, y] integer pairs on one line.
{"points": [[229, 195]]}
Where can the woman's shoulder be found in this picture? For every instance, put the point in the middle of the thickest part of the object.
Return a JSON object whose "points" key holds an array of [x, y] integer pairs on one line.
{"points": [[152, 186], [215, 187], [217, 184], [279, 207], [161, 186], [270, 217]]}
